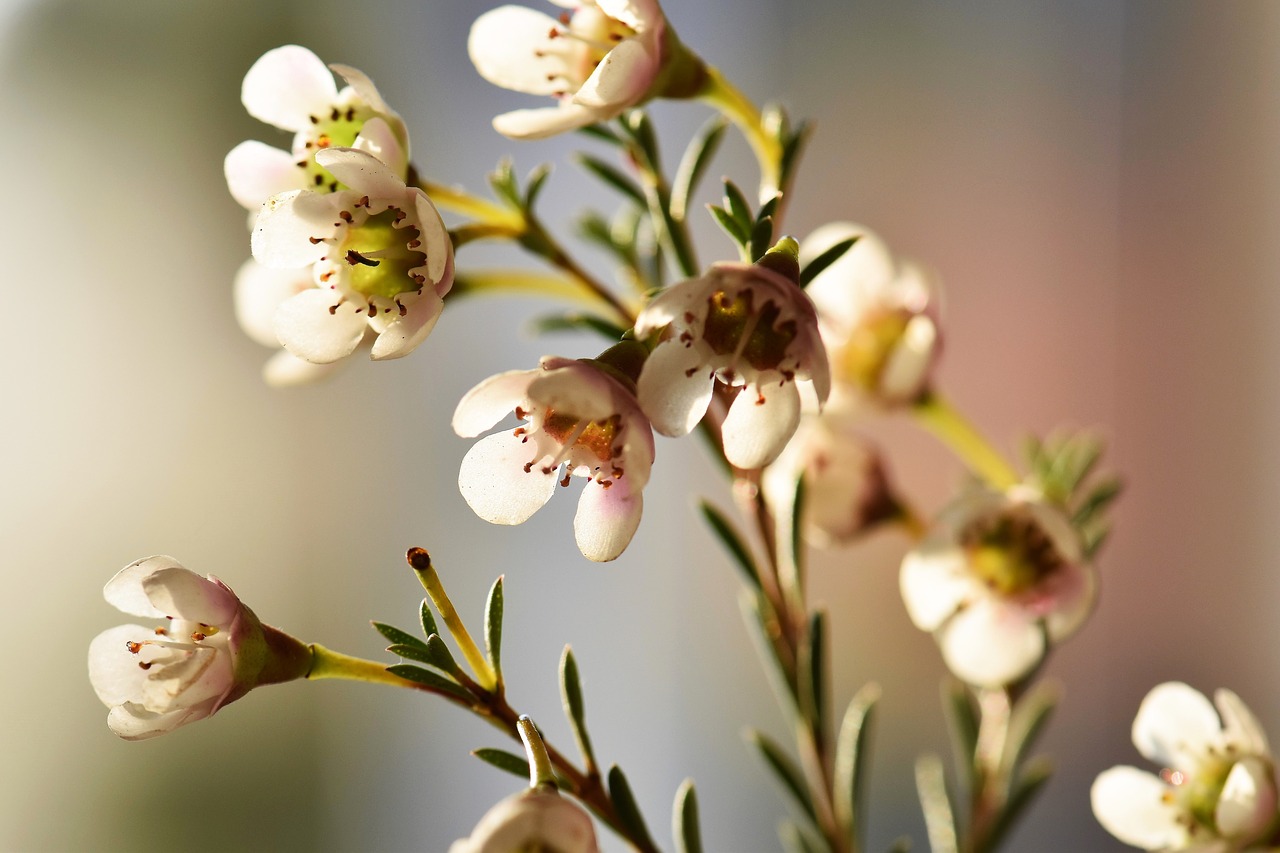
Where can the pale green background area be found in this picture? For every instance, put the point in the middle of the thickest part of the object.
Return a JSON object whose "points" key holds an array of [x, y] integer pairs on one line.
{"points": [[1095, 183]]}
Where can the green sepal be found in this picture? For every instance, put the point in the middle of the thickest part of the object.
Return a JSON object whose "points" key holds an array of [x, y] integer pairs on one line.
{"points": [[493, 627], [574, 708], [624, 803], [428, 621], [578, 322], [777, 760], [732, 541], [684, 819], [853, 749], [697, 156], [612, 176], [426, 677], [824, 260], [396, 636]]}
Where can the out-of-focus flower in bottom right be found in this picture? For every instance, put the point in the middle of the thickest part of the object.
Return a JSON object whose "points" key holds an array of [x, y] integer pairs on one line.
{"points": [[1216, 789]]}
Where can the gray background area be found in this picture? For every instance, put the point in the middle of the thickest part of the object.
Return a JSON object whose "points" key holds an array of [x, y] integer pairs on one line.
{"points": [[1096, 184]]}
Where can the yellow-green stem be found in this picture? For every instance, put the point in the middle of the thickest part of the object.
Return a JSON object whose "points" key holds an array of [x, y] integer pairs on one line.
{"points": [[485, 676], [541, 773], [460, 201], [725, 97], [940, 418], [524, 282], [326, 663]]}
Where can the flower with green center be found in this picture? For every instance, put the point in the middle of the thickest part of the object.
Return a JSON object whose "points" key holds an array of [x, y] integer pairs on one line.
{"points": [[290, 87], [747, 326], [999, 580], [1216, 790], [380, 258], [580, 419]]}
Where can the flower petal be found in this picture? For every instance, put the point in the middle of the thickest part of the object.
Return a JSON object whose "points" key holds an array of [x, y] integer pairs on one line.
{"points": [[286, 370], [606, 520], [134, 722], [759, 424], [363, 172], [183, 594], [935, 583], [1239, 723], [436, 242], [639, 15], [309, 326], [545, 121], [363, 86], [286, 86], [494, 483], [1133, 806], [503, 46], [1248, 801], [491, 401], [125, 590], [255, 172], [113, 669], [576, 389], [991, 643], [674, 399], [259, 291], [285, 228], [621, 79], [403, 334], [907, 368], [377, 138], [1174, 726]]}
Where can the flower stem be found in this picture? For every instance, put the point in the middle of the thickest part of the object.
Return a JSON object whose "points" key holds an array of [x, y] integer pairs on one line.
{"points": [[423, 567], [950, 427], [326, 663], [523, 282], [460, 201], [725, 97], [540, 771], [539, 241]]}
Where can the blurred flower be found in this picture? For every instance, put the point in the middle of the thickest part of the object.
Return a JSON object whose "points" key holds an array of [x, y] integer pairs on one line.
{"points": [[1216, 790], [531, 820], [379, 253], [290, 87], [746, 325], [259, 291], [579, 417], [877, 317], [1000, 579], [600, 59], [211, 650]]}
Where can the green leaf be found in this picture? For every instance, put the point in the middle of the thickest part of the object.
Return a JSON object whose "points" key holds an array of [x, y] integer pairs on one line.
{"points": [[412, 652], [493, 627], [395, 635], [1025, 788], [796, 839], [733, 542], [731, 226], [578, 322], [758, 615], [797, 531], [737, 207], [785, 769], [761, 238], [684, 819], [534, 183], [826, 259], [503, 181], [602, 133], [599, 231], [440, 657], [851, 759], [769, 207], [428, 621], [624, 803], [517, 765], [638, 126], [612, 176], [1098, 499], [812, 673], [574, 708], [426, 677], [697, 156], [935, 802], [962, 726]]}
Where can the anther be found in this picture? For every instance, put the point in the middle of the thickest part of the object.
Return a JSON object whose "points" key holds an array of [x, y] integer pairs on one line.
{"points": [[528, 467], [334, 115], [345, 216], [567, 478], [133, 647], [144, 665], [198, 636], [351, 113], [354, 257]]}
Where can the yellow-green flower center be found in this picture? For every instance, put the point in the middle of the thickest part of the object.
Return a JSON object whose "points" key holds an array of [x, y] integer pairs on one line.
{"points": [[1010, 552], [381, 255], [863, 358], [336, 129]]}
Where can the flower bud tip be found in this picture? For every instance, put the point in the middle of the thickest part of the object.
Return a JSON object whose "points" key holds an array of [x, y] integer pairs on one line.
{"points": [[784, 259], [419, 559]]}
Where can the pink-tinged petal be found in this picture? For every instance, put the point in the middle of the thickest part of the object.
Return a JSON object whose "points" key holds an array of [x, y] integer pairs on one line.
{"points": [[1239, 723], [532, 820], [1174, 726], [673, 398], [255, 172], [363, 86], [125, 590], [1247, 805], [310, 327], [819, 371], [287, 86], [675, 303], [491, 401], [606, 520], [183, 594], [906, 371], [403, 334], [259, 291], [576, 389], [545, 121], [113, 669], [494, 483], [287, 225], [503, 44], [363, 172], [1065, 599], [436, 242], [759, 424], [846, 289], [639, 15], [134, 722], [1133, 806], [991, 643], [621, 79], [377, 138], [935, 582], [286, 370]]}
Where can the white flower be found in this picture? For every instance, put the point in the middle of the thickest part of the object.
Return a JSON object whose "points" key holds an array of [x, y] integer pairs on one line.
{"points": [[846, 488], [1001, 577], [290, 87], [209, 651], [600, 59], [532, 820], [379, 255], [878, 318], [578, 418], [1216, 790], [259, 292], [744, 325]]}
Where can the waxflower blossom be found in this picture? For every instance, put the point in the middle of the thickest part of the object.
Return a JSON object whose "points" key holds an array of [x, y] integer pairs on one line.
{"points": [[598, 60], [209, 650], [580, 417], [1216, 790], [1000, 578], [532, 820], [878, 317], [259, 292], [747, 326], [290, 88], [379, 254]]}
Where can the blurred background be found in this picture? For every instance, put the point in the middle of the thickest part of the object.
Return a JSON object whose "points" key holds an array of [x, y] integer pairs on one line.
{"points": [[1096, 183]]}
